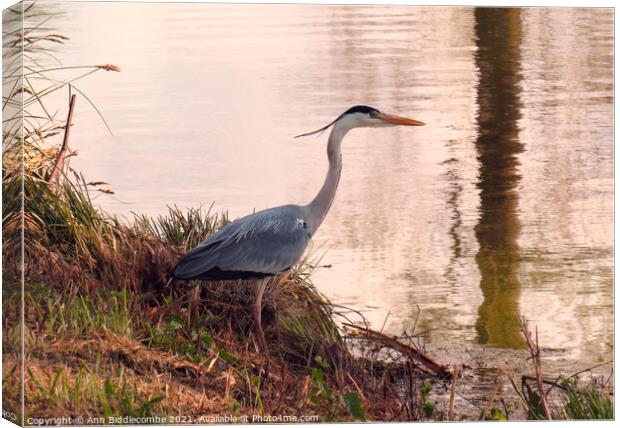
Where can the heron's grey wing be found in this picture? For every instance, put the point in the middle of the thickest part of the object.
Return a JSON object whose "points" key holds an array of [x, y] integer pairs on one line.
{"points": [[267, 242]]}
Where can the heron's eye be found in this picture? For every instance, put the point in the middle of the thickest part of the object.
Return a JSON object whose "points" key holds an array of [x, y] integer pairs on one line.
{"points": [[373, 114]]}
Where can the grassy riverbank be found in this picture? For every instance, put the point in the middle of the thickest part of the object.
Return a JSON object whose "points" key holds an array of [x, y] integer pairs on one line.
{"points": [[107, 333]]}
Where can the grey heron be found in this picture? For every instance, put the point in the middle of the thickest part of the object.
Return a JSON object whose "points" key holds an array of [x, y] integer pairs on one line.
{"points": [[270, 242]]}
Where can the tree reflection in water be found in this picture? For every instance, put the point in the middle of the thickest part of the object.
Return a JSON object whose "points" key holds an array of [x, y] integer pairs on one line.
{"points": [[498, 34]]}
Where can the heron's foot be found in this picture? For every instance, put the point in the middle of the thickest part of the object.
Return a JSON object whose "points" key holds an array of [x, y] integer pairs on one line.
{"points": [[261, 342]]}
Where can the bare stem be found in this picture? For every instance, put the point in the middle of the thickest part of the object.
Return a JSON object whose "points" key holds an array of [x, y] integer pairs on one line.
{"points": [[455, 376], [535, 355], [60, 160]]}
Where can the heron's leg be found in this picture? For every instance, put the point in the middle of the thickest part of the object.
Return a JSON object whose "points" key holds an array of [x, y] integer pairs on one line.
{"points": [[257, 310], [194, 302]]}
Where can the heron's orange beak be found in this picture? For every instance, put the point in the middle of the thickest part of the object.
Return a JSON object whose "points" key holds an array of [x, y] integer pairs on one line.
{"points": [[399, 120]]}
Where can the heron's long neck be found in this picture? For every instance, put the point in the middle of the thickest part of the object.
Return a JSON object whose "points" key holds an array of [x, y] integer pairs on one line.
{"points": [[323, 200]]}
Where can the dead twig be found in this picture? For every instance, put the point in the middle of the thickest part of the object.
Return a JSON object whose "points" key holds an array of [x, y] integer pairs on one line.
{"points": [[357, 387], [589, 369], [535, 355], [552, 383]]}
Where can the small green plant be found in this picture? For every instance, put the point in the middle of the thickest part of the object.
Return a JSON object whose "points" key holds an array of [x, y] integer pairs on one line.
{"points": [[256, 381], [174, 335], [234, 407], [496, 414], [129, 403], [578, 402], [254, 384], [353, 403], [321, 394], [586, 402], [428, 407], [534, 406]]}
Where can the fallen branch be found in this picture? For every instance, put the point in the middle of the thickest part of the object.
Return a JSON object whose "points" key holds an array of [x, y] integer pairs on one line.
{"points": [[393, 342], [535, 355], [60, 160]]}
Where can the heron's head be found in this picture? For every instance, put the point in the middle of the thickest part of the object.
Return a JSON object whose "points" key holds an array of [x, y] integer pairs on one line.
{"points": [[366, 117]]}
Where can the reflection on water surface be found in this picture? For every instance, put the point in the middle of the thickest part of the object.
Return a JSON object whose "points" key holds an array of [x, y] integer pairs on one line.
{"points": [[498, 36], [500, 207]]}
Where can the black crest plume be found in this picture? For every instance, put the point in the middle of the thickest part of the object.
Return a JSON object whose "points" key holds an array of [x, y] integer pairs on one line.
{"points": [[352, 110]]}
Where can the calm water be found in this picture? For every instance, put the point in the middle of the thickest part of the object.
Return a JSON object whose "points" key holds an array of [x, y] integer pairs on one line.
{"points": [[501, 206]]}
